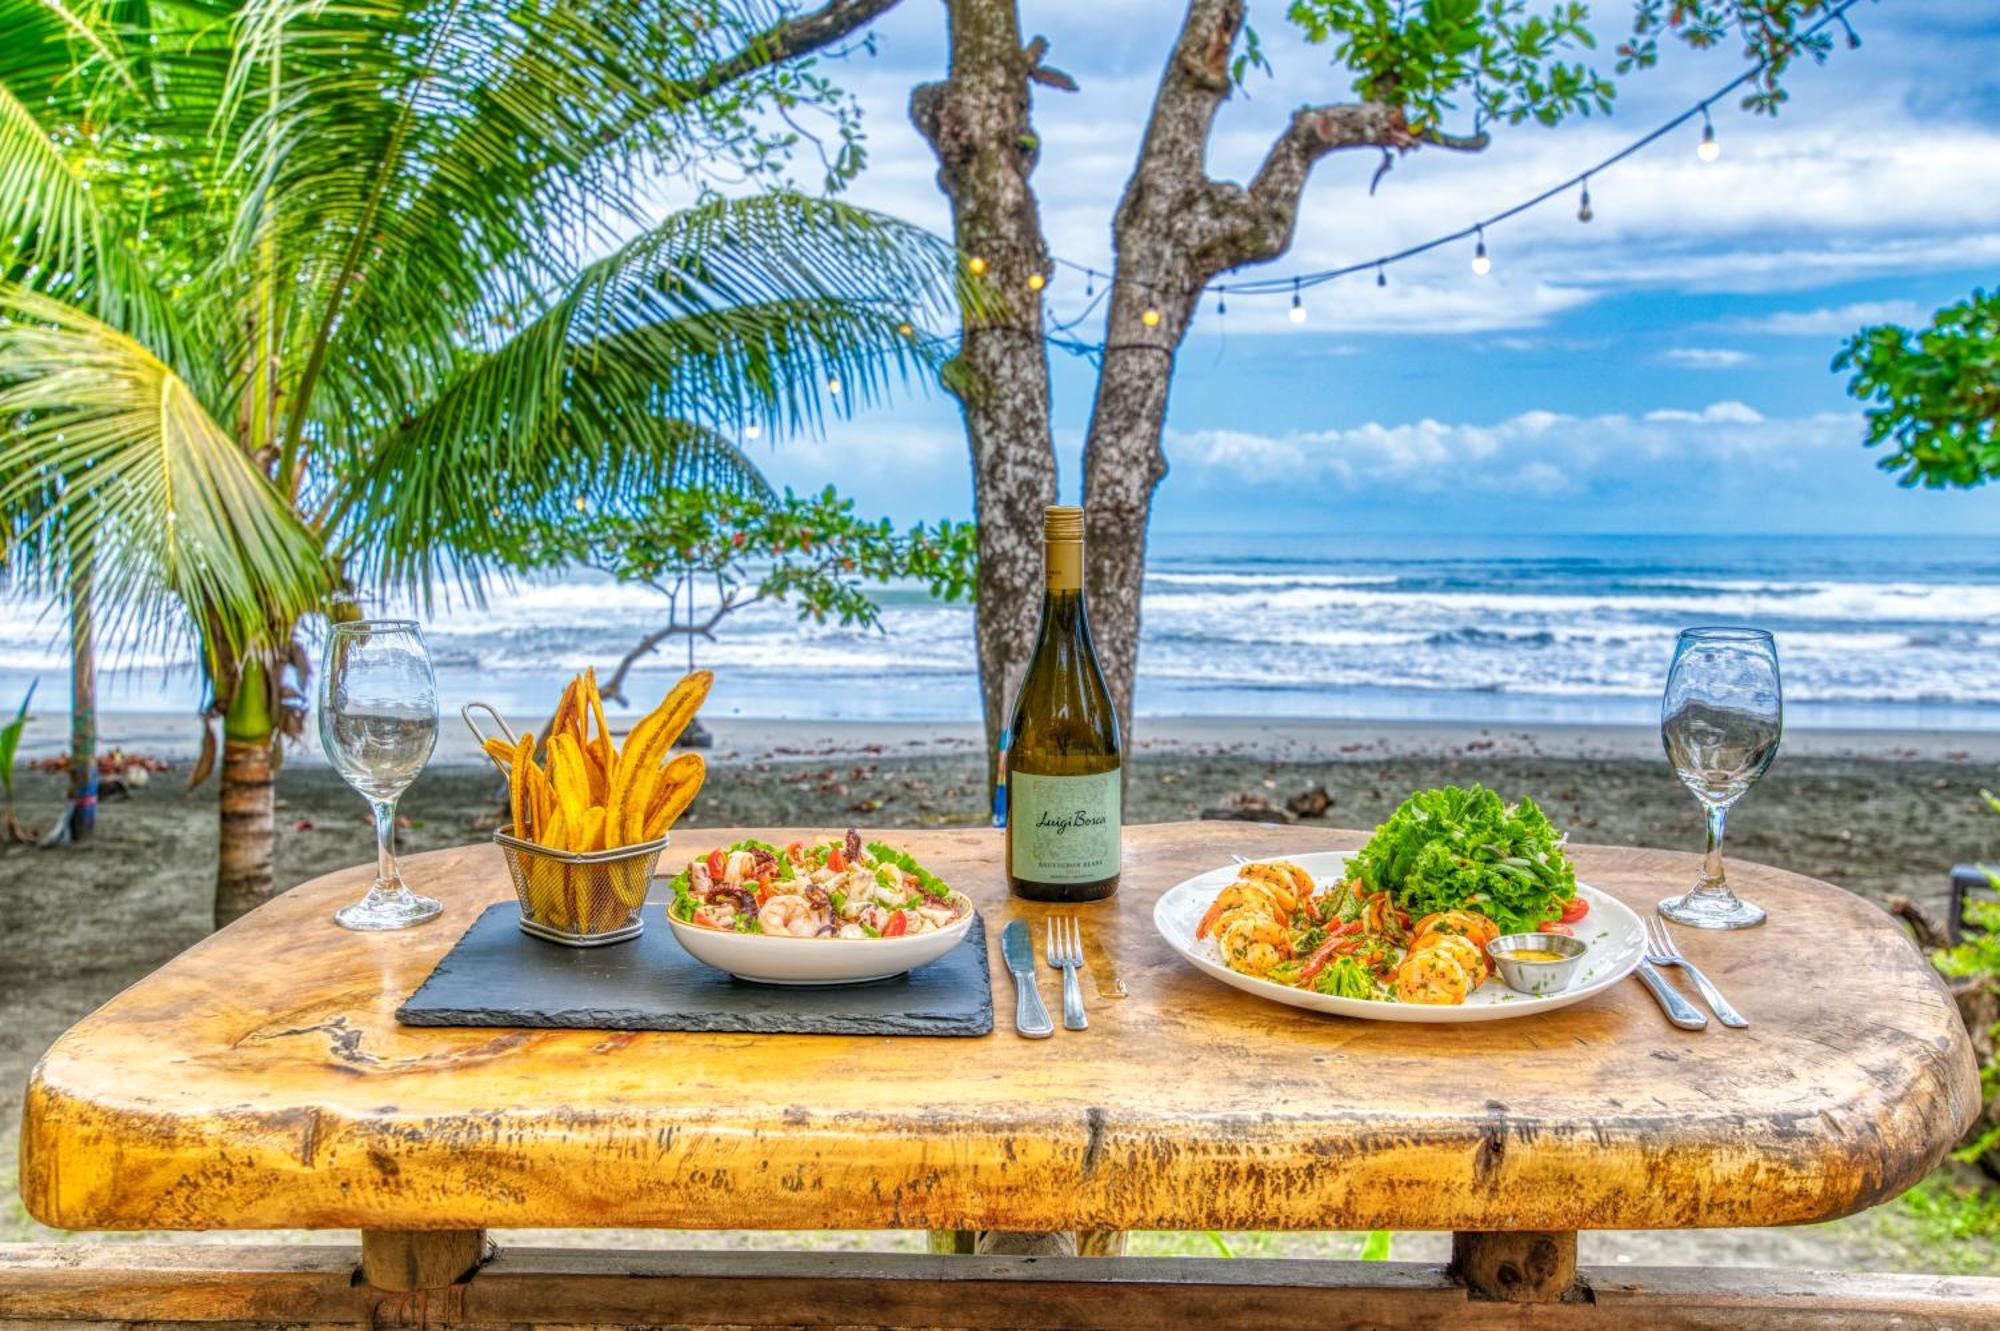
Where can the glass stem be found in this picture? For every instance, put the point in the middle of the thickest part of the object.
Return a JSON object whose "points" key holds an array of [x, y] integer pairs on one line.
{"points": [[1711, 869], [386, 877]]}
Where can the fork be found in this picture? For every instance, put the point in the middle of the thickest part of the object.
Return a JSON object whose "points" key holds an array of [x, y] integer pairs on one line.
{"points": [[1065, 952], [1661, 950]]}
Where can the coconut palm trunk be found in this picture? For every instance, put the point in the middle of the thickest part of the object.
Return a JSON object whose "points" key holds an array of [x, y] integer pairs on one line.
{"points": [[247, 840], [82, 698]]}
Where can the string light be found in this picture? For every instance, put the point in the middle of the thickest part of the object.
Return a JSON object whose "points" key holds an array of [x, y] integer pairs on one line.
{"points": [[1036, 281], [976, 266], [907, 330], [1221, 302], [1708, 149], [752, 430], [833, 384]]}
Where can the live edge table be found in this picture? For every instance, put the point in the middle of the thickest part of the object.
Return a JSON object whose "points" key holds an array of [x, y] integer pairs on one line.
{"points": [[260, 1080]]}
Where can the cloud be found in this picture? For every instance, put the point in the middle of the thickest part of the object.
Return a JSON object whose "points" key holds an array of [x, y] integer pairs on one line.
{"points": [[1706, 358], [1533, 453], [1830, 321]]}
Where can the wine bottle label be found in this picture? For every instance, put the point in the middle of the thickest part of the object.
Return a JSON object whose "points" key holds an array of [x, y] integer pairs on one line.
{"points": [[1064, 829]]}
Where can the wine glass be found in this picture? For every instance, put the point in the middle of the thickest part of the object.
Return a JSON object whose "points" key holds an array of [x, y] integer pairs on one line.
{"points": [[1721, 719], [378, 721]]}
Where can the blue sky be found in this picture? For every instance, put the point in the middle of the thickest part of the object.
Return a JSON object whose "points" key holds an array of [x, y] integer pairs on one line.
{"points": [[1662, 368]]}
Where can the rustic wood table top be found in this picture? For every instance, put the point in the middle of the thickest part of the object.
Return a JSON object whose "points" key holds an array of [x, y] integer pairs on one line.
{"points": [[260, 1080]]}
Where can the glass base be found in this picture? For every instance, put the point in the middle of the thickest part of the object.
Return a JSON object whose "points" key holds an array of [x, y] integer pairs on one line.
{"points": [[388, 906], [1700, 909]]}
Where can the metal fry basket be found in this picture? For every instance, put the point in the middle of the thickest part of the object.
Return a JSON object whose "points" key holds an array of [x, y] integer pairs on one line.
{"points": [[576, 898], [580, 898]]}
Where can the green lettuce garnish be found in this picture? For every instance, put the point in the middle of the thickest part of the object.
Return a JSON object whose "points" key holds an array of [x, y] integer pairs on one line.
{"points": [[929, 883], [1452, 849]]}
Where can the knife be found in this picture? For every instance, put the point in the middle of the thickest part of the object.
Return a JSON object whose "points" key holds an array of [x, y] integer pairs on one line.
{"points": [[1679, 1011], [1017, 947]]}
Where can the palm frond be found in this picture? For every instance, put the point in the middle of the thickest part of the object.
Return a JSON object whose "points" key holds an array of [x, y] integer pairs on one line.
{"points": [[102, 444], [734, 311], [55, 238], [427, 168]]}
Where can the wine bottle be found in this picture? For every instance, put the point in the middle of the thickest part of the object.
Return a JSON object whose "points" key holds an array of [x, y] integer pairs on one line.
{"points": [[1064, 777]]}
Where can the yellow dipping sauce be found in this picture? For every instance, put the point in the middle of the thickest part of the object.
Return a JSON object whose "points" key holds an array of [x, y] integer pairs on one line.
{"points": [[1534, 954]]}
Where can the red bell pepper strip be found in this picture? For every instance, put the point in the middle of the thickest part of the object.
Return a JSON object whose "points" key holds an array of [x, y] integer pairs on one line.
{"points": [[836, 860], [898, 925], [1336, 944]]}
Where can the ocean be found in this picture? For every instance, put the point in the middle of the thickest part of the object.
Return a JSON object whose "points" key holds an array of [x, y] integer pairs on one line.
{"points": [[1872, 632]]}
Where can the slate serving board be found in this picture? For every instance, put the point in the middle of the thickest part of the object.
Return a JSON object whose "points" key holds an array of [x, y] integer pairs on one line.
{"points": [[499, 976]]}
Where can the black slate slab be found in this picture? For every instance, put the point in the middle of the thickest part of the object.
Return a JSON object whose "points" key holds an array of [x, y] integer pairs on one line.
{"points": [[499, 976]]}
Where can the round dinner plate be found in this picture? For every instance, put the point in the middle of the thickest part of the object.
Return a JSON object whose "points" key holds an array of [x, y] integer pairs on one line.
{"points": [[1617, 943]]}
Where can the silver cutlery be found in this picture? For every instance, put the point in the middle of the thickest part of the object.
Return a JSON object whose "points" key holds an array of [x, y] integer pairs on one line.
{"points": [[1065, 952], [1017, 949], [1679, 1011], [1661, 950]]}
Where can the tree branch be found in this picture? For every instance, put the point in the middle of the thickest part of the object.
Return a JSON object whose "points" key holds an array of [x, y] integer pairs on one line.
{"points": [[787, 39]]}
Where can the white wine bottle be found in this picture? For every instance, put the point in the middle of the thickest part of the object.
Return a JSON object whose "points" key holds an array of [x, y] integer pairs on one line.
{"points": [[1064, 777]]}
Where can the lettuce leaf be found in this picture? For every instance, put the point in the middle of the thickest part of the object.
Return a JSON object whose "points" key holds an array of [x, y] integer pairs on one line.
{"points": [[1452, 848]]}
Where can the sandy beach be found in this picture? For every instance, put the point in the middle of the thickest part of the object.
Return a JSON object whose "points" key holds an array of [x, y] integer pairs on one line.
{"points": [[1881, 813]]}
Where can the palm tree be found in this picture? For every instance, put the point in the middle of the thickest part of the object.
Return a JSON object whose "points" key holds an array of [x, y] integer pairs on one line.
{"points": [[301, 302]]}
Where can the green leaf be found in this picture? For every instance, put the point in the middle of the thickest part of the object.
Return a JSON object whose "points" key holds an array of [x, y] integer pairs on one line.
{"points": [[108, 447]]}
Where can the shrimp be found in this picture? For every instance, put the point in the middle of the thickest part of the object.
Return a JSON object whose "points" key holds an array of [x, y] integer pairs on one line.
{"points": [[1469, 923], [1253, 944], [1430, 976], [1239, 897], [1287, 883], [789, 915], [1456, 946]]}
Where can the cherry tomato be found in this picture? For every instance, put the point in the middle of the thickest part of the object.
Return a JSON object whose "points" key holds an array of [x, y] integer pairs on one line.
{"points": [[898, 925], [1574, 909], [718, 863], [705, 920], [1558, 927]]}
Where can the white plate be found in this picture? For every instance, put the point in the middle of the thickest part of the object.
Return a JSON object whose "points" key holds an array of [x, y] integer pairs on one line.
{"points": [[1613, 932], [775, 959]]}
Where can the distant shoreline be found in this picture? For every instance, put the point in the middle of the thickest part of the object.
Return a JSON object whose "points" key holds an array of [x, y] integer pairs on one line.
{"points": [[175, 736]]}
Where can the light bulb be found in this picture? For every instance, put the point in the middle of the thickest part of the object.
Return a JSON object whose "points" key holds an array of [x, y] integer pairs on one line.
{"points": [[1381, 277], [1036, 281], [1298, 311], [1150, 318], [1480, 263], [581, 503], [833, 384], [1709, 149], [1583, 213], [752, 430], [906, 330], [976, 266]]}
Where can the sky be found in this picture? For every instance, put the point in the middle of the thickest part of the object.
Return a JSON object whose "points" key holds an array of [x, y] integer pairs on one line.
{"points": [[1662, 368]]}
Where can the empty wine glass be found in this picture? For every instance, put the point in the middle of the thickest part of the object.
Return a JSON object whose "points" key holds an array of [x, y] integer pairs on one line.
{"points": [[1721, 719], [378, 721]]}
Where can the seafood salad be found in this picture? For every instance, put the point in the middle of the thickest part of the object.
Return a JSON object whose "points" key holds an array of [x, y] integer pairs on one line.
{"points": [[1275, 923], [833, 889]]}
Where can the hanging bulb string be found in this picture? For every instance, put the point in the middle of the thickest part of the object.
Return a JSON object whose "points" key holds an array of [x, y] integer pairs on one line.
{"points": [[1474, 231]]}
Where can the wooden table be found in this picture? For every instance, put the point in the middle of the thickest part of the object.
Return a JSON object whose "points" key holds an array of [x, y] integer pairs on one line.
{"points": [[260, 1080]]}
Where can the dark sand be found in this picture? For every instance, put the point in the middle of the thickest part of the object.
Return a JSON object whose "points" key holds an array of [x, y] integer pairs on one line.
{"points": [[83, 923]]}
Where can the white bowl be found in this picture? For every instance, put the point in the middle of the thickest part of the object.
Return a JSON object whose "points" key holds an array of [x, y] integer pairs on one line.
{"points": [[776, 959]]}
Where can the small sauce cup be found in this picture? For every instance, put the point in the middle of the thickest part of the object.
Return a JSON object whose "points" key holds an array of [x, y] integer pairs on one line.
{"points": [[1537, 964]]}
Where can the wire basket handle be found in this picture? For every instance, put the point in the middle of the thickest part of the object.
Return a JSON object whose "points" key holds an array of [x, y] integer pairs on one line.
{"points": [[498, 720]]}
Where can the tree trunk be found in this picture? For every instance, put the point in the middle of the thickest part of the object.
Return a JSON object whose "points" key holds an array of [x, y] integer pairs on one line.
{"points": [[1176, 230], [977, 122], [82, 700], [248, 836]]}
